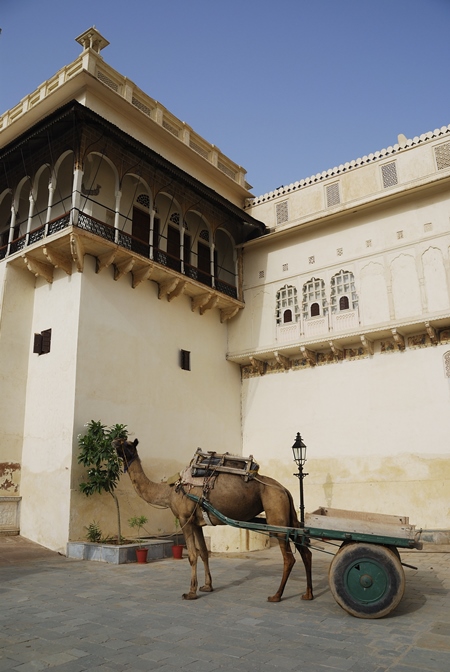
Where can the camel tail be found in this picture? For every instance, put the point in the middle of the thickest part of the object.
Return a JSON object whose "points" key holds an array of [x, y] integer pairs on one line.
{"points": [[294, 521]]}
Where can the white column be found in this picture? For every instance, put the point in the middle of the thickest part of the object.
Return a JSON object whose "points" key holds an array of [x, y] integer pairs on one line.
{"points": [[30, 215], [152, 223], [76, 195], [51, 191], [211, 263], [117, 217], [11, 227]]}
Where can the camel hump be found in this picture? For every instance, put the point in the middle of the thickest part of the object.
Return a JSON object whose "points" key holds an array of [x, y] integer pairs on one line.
{"points": [[208, 463]]}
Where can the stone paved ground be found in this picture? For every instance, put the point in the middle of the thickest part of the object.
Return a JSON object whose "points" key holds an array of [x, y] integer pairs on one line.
{"points": [[72, 616]]}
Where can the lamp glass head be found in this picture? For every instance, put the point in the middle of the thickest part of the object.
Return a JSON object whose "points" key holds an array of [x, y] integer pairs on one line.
{"points": [[299, 450]]}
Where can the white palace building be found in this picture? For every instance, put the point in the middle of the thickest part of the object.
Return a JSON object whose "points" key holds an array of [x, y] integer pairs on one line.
{"points": [[142, 283]]}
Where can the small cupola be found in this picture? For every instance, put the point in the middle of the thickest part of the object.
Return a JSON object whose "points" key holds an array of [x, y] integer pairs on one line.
{"points": [[92, 39]]}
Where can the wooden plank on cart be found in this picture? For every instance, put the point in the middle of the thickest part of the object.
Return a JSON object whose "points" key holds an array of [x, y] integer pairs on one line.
{"points": [[360, 522]]}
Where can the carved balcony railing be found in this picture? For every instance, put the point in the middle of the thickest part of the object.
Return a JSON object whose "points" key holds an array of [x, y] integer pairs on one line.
{"points": [[124, 240]]}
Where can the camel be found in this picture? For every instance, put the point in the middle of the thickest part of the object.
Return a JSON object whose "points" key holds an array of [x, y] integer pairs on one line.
{"points": [[233, 497]]}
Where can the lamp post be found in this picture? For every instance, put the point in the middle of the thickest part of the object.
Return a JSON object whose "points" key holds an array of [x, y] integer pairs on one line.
{"points": [[299, 451]]}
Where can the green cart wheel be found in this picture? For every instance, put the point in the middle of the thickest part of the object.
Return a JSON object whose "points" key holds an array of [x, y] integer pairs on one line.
{"points": [[367, 580]]}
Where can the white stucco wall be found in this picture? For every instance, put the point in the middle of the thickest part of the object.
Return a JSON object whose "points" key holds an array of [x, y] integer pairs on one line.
{"points": [[128, 371], [48, 426], [376, 430], [16, 306]]}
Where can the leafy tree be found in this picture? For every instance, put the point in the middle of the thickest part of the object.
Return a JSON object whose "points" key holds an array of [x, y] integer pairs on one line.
{"points": [[102, 462]]}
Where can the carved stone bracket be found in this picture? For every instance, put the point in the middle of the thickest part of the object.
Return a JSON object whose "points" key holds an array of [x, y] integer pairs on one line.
{"points": [[308, 356], [228, 313], [212, 303], [431, 331], [178, 291], [122, 268], [39, 268], [283, 361], [167, 287], [77, 251], [200, 301], [367, 345], [398, 339], [106, 259], [258, 365], [337, 352], [141, 274], [58, 259]]}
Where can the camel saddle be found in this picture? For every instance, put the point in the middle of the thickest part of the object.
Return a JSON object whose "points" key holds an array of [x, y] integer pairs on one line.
{"points": [[205, 465]]}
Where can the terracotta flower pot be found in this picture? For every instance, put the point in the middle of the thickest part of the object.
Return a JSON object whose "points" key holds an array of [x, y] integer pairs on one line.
{"points": [[141, 555], [177, 551]]}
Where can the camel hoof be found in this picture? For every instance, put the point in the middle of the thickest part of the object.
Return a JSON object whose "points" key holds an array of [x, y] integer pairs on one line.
{"points": [[206, 589], [307, 596], [189, 596], [274, 598]]}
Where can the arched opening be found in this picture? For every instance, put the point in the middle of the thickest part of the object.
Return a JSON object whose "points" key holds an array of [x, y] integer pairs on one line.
{"points": [[344, 303], [314, 310]]}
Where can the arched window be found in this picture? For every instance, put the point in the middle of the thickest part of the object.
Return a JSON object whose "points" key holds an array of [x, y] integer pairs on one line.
{"points": [[343, 303], [314, 302], [314, 310], [287, 309], [343, 292]]}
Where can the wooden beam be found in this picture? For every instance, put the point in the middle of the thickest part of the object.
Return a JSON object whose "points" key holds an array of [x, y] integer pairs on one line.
{"points": [[58, 259], [283, 361], [212, 303], [337, 352], [367, 345], [178, 291], [167, 287], [39, 268], [106, 259], [141, 274], [123, 267], [201, 300], [228, 313], [77, 251], [399, 340], [308, 356], [258, 365]]}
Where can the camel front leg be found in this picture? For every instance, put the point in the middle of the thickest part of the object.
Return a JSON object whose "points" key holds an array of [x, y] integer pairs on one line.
{"points": [[288, 563], [192, 555], [307, 561], [203, 551]]}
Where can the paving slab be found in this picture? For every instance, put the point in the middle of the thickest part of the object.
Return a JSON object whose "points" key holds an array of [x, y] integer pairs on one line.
{"points": [[72, 615]]}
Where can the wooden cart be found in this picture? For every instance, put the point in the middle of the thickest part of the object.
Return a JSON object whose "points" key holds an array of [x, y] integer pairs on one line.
{"points": [[366, 574]]}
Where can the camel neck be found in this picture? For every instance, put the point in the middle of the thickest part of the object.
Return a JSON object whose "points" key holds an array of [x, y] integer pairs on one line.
{"points": [[154, 493]]}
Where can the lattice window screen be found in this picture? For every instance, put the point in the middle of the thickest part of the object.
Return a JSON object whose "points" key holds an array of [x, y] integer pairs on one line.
{"points": [[144, 200], [333, 195], [282, 212], [389, 175], [442, 153]]}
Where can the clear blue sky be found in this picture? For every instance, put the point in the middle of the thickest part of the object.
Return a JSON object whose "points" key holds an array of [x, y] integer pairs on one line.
{"points": [[286, 88]]}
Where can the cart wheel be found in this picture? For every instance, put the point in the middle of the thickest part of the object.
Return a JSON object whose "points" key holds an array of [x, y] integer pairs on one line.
{"points": [[367, 580]]}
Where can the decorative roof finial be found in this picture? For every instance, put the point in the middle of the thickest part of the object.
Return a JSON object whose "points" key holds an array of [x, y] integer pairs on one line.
{"points": [[92, 39]]}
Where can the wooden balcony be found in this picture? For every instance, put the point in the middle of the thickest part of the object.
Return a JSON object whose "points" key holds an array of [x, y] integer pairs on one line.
{"points": [[60, 244]]}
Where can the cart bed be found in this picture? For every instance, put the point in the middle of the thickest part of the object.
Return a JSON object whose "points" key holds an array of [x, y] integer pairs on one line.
{"points": [[359, 522]]}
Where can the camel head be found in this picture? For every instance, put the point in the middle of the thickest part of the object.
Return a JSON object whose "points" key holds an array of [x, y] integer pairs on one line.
{"points": [[126, 450]]}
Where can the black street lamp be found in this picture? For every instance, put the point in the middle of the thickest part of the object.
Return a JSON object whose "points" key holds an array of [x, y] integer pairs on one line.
{"points": [[299, 450]]}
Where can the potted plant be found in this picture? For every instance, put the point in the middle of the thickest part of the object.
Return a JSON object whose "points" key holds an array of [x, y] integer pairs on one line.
{"points": [[139, 522], [177, 549]]}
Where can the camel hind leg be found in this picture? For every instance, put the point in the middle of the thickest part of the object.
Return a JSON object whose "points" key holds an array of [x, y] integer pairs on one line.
{"points": [[307, 562], [288, 563], [203, 552], [189, 537]]}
